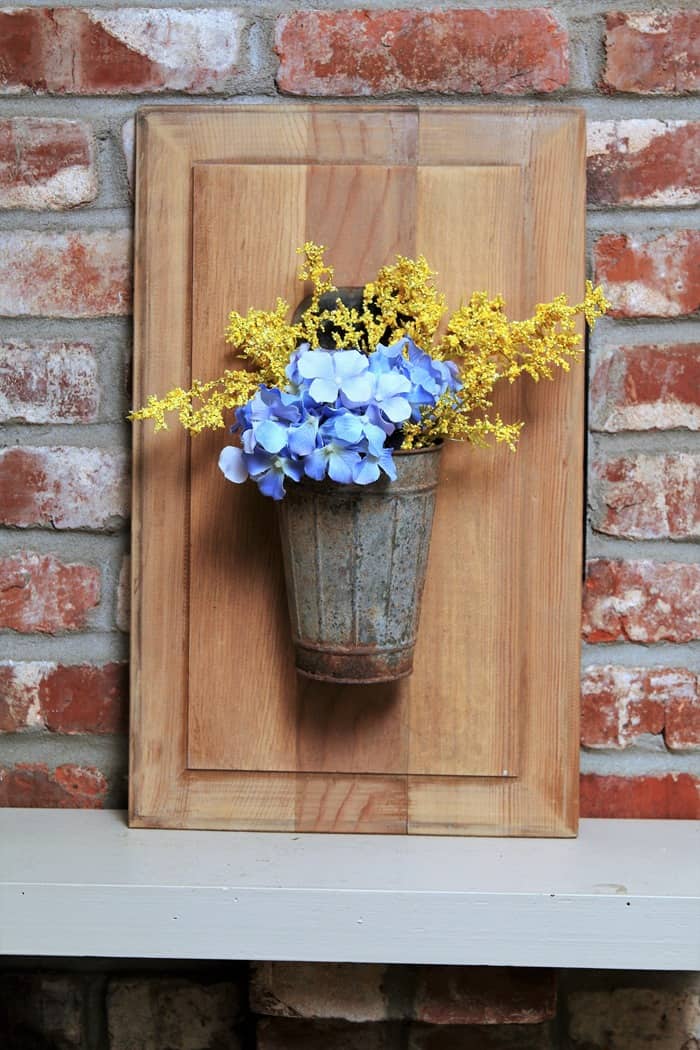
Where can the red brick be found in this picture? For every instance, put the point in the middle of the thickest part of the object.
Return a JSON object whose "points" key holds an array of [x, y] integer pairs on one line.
{"points": [[40, 593], [672, 796], [364, 52], [634, 1012], [441, 995], [647, 497], [652, 52], [63, 699], [650, 278], [46, 163], [65, 787], [75, 274], [465, 995], [682, 730], [339, 991], [44, 1010], [172, 1013], [645, 163], [641, 601], [85, 699], [620, 704], [64, 487], [48, 383], [647, 388], [109, 52], [19, 699]]}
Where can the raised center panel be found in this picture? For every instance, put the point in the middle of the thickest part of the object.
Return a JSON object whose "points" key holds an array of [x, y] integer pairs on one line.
{"points": [[458, 713]]}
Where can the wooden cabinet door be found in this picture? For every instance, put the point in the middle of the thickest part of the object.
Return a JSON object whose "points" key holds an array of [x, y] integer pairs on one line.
{"points": [[482, 738]]}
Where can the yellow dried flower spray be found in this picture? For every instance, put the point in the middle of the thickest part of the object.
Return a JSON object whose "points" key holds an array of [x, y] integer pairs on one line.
{"points": [[402, 301]]}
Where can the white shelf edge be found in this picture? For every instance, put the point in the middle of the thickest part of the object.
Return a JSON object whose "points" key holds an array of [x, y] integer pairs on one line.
{"points": [[624, 895]]}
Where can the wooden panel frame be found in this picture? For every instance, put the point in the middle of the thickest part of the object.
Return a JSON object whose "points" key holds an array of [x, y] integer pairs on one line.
{"points": [[543, 799]]}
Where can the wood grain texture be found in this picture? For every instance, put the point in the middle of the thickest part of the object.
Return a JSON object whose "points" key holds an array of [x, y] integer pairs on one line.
{"points": [[465, 698], [539, 537], [270, 720], [351, 804], [242, 696], [482, 739]]}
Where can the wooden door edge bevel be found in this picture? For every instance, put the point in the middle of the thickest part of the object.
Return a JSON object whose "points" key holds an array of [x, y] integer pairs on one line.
{"points": [[523, 810], [543, 822], [147, 738], [261, 108], [140, 309], [161, 792]]}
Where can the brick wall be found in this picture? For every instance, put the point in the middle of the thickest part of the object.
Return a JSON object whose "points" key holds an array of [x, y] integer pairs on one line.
{"points": [[295, 1006], [70, 81]]}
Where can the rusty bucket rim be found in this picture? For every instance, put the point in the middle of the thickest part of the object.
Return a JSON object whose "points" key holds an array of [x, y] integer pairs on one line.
{"points": [[434, 447], [340, 680]]}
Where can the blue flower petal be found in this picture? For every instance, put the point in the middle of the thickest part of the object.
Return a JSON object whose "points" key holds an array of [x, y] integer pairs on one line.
{"points": [[258, 462], [373, 413], [397, 409], [367, 471], [375, 439], [315, 464], [392, 383], [232, 464], [358, 390], [292, 469], [248, 440], [341, 464], [324, 391], [271, 483], [349, 363], [316, 364], [348, 428], [270, 435], [386, 462], [302, 439]]}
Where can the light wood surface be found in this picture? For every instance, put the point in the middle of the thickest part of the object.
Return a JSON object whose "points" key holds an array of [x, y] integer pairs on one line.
{"points": [[79, 883], [483, 738]]}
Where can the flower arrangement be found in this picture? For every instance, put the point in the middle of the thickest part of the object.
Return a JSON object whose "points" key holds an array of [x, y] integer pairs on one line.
{"points": [[336, 392]]}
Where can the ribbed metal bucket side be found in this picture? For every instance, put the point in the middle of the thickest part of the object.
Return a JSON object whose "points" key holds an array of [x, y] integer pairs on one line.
{"points": [[355, 559]]}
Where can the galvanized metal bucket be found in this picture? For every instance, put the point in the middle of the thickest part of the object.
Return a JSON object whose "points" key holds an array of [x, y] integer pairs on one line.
{"points": [[354, 560]]}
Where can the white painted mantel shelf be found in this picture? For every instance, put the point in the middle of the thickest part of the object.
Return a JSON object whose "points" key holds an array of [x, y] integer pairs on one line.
{"points": [[625, 894]]}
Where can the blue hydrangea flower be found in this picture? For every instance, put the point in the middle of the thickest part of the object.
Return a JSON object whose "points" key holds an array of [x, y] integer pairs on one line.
{"points": [[335, 416], [303, 438], [387, 358], [296, 382], [368, 470], [335, 459], [388, 394], [269, 471], [268, 403], [334, 372], [232, 464], [430, 379]]}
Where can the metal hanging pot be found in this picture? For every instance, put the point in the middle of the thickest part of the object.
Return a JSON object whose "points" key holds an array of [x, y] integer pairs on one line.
{"points": [[354, 560]]}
